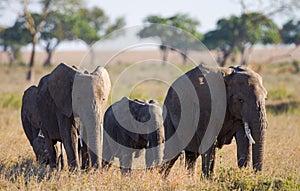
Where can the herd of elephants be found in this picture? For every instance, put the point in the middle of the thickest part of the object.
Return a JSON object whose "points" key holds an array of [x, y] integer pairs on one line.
{"points": [[67, 109]]}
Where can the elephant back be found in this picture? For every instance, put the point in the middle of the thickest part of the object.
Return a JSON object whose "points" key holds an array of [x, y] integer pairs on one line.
{"points": [[29, 113], [60, 83]]}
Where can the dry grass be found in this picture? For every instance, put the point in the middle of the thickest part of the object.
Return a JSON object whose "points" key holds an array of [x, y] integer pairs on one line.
{"points": [[19, 171]]}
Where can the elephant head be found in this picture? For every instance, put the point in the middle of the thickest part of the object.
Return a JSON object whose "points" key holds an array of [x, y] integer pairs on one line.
{"points": [[40, 150], [89, 97], [246, 103]]}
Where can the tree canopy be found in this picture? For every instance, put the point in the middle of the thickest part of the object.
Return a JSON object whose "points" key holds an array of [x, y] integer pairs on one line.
{"points": [[60, 20], [178, 32], [290, 32], [236, 33], [12, 38], [56, 21]]}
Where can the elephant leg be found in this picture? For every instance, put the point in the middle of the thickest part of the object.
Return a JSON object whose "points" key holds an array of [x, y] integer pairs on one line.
{"points": [[182, 158], [70, 140], [150, 158], [59, 155], [106, 164], [208, 161], [243, 148], [126, 163], [84, 152], [107, 155], [85, 157], [166, 168], [190, 160], [62, 159]]}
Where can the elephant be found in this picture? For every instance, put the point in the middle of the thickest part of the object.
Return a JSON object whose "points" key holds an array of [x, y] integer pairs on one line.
{"points": [[68, 94], [31, 123], [129, 127], [244, 116]]}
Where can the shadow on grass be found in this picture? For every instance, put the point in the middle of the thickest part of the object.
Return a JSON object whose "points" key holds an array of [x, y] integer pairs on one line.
{"points": [[289, 106], [25, 170]]}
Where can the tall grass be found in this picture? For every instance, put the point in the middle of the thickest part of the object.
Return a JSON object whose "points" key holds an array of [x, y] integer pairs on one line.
{"points": [[19, 171]]}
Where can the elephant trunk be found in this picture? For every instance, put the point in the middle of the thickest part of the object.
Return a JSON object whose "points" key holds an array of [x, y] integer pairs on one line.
{"points": [[255, 132], [258, 147], [93, 131]]}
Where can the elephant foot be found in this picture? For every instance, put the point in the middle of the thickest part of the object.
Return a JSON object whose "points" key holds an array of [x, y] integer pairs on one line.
{"points": [[106, 165], [73, 167], [125, 171], [150, 169], [53, 166], [166, 167]]}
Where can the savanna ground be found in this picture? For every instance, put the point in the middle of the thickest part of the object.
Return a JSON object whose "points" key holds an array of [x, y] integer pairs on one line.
{"points": [[18, 169]]}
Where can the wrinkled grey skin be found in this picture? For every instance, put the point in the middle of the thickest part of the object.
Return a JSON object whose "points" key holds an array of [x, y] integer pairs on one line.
{"points": [[245, 104], [31, 123], [60, 99], [119, 129]]}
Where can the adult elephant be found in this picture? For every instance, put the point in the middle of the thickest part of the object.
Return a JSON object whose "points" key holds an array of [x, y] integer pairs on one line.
{"points": [[129, 127], [65, 94], [31, 122], [244, 108]]}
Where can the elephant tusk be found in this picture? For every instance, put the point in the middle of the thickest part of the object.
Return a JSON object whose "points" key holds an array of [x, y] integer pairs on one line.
{"points": [[41, 134], [248, 132], [80, 134]]}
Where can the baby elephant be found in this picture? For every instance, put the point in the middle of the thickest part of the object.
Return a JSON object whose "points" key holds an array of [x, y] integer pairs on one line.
{"points": [[129, 127], [31, 122]]}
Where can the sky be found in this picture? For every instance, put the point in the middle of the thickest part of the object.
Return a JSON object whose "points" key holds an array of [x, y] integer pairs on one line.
{"points": [[135, 11]]}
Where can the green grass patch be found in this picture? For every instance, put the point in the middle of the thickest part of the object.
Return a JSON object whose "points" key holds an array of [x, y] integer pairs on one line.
{"points": [[244, 179], [280, 94], [11, 101]]}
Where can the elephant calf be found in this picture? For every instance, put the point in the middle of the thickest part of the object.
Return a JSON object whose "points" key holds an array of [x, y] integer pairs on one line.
{"points": [[129, 127], [31, 123]]}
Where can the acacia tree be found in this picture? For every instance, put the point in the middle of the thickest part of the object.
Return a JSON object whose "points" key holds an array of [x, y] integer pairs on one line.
{"points": [[12, 38], [34, 22], [92, 25], [270, 8], [88, 25], [290, 34], [238, 33], [57, 28], [171, 38]]}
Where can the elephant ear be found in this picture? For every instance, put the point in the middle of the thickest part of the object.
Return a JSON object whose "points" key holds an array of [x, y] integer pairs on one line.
{"points": [[237, 77], [232, 78], [60, 84]]}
